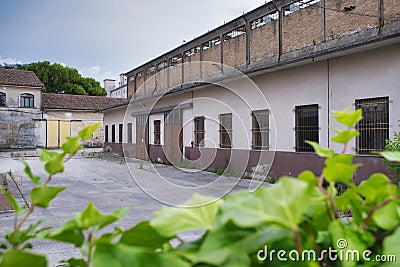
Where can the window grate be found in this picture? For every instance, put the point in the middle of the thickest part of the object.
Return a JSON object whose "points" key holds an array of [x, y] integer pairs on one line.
{"points": [[374, 127], [157, 132], [260, 129], [2, 99], [307, 127], [225, 130], [199, 131]]}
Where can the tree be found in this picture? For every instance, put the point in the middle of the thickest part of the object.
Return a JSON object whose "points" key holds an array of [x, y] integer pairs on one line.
{"points": [[61, 80]]}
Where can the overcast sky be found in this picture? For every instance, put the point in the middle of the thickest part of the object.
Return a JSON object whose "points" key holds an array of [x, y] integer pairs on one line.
{"points": [[103, 38]]}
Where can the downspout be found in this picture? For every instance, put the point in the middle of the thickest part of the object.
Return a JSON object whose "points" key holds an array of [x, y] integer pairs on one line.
{"points": [[329, 97]]}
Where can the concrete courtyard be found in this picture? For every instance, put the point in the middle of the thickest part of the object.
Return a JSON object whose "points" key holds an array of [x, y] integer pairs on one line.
{"points": [[108, 183]]}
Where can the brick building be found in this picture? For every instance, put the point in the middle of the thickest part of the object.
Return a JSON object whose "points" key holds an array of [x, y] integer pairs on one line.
{"points": [[247, 94]]}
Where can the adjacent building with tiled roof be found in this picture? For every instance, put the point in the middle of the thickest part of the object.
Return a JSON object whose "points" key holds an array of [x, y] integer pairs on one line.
{"points": [[79, 102], [26, 78]]}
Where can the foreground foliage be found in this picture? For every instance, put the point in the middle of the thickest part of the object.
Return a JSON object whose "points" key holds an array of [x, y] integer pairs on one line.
{"points": [[295, 216]]}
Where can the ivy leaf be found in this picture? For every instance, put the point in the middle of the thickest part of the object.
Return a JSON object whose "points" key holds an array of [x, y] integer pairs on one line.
{"points": [[19, 209], [27, 170], [46, 155], [73, 262], [55, 164], [377, 188], [346, 240], [107, 219], [391, 156], [72, 145], [12, 258], [169, 221], [87, 132], [143, 235], [267, 205], [348, 119], [229, 241], [69, 233], [88, 217], [43, 195], [391, 246], [343, 137], [121, 255], [387, 217], [321, 151], [340, 169]]}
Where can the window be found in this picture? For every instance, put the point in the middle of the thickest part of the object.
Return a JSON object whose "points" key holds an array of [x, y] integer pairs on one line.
{"points": [[374, 127], [157, 132], [27, 101], [260, 129], [199, 131], [120, 132], [106, 133], [225, 130], [130, 133], [2, 99], [307, 127], [113, 133]]}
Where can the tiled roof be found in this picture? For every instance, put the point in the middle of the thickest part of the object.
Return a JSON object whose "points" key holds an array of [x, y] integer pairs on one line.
{"points": [[79, 102], [19, 78]]}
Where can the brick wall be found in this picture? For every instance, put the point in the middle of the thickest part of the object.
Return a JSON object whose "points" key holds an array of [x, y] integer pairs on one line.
{"points": [[302, 28], [212, 54], [235, 51], [264, 41], [340, 22], [192, 67], [391, 10]]}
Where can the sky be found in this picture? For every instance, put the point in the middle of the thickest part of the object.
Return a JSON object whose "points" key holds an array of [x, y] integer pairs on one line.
{"points": [[105, 38]]}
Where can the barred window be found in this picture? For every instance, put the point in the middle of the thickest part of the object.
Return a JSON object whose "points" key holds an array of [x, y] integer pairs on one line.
{"points": [[307, 127], [374, 127], [260, 129], [225, 130], [199, 131], [129, 133], [2, 99], [157, 132]]}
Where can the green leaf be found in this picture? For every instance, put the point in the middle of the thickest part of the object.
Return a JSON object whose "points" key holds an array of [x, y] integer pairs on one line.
{"points": [[169, 221], [69, 233], [19, 209], [13, 258], [43, 195], [391, 156], [391, 247], [72, 145], [107, 219], [267, 205], [348, 119], [27, 170], [340, 169], [377, 188], [144, 235], [55, 164], [229, 241], [387, 217], [87, 132], [309, 177], [89, 217], [19, 237], [346, 239], [321, 151], [46, 155], [120, 255], [343, 137]]}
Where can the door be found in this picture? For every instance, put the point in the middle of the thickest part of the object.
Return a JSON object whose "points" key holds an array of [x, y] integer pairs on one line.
{"points": [[142, 137], [173, 145], [57, 132]]}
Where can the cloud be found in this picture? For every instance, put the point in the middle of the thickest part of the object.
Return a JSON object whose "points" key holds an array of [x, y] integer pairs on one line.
{"points": [[96, 72], [9, 61]]}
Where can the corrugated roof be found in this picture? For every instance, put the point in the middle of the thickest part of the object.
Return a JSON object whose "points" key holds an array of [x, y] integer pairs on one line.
{"points": [[19, 78], [79, 102]]}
